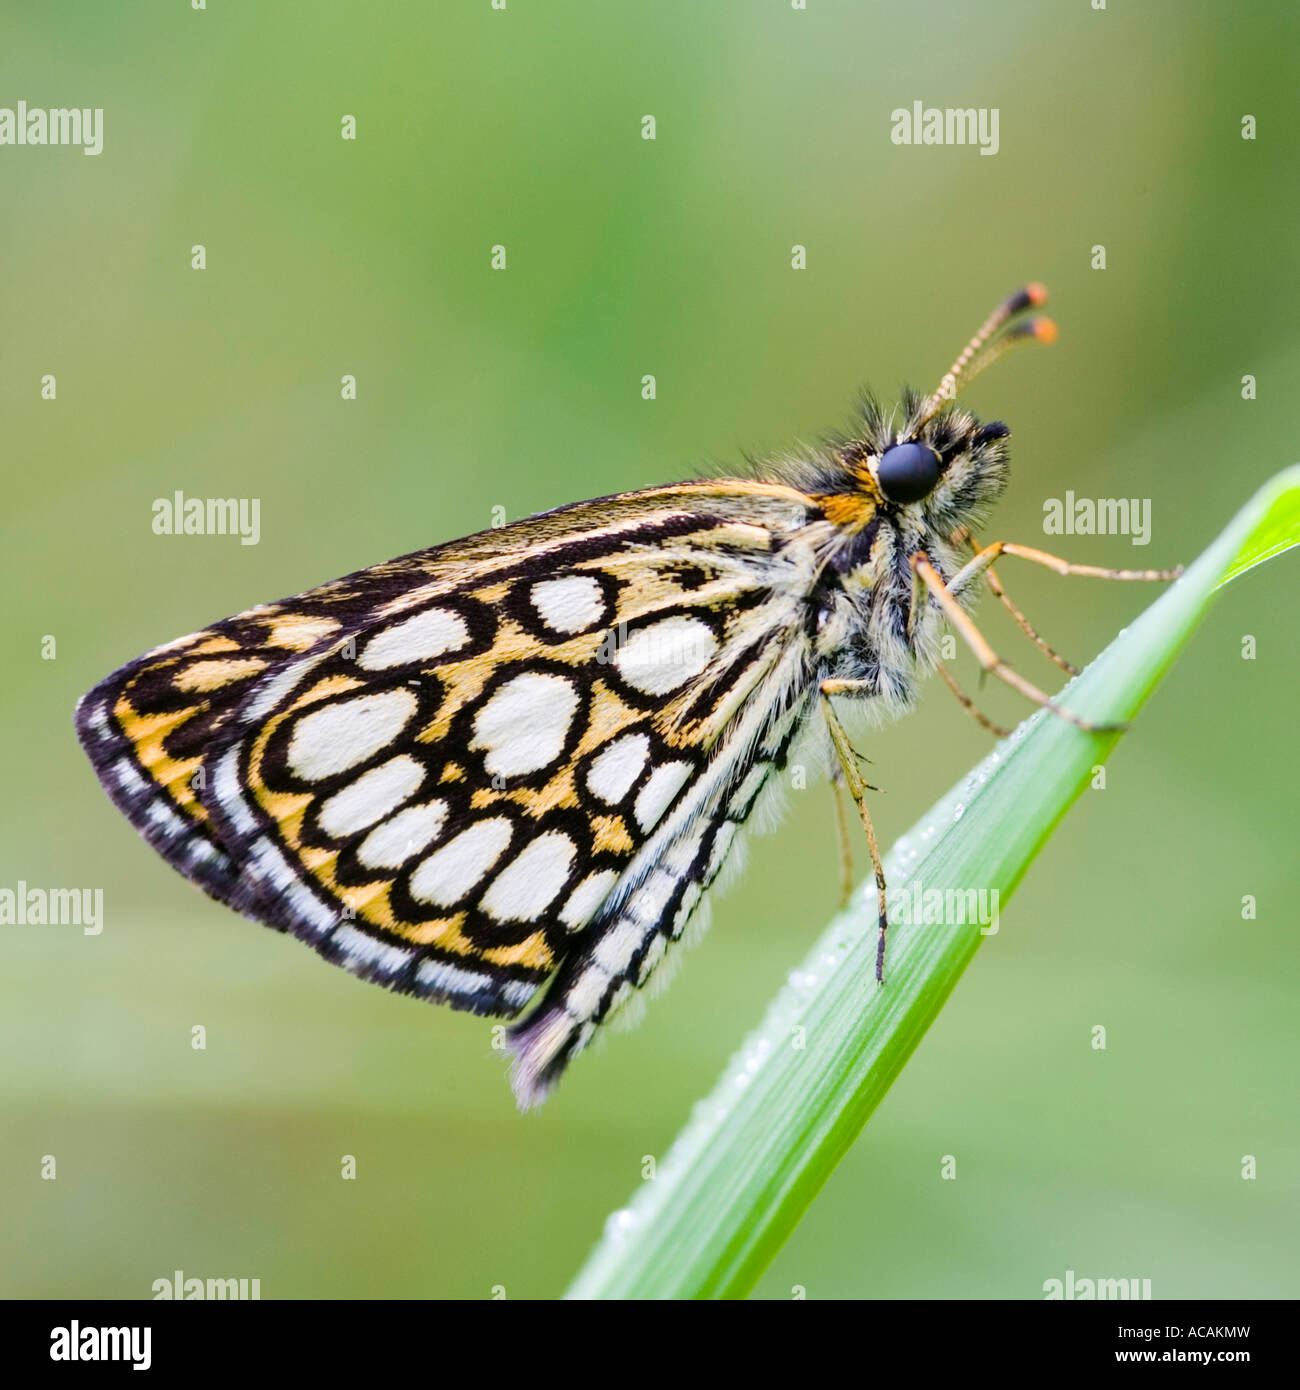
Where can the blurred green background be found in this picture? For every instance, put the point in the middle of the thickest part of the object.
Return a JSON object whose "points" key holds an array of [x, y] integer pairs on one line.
{"points": [[522, 390]]}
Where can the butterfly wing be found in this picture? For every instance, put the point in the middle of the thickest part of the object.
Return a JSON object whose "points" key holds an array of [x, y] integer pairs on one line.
{"points": [[152, 728], [463, 771]]}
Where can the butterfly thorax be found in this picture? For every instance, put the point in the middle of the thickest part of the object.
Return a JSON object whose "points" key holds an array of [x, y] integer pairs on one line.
{"points": [[864, 626]]}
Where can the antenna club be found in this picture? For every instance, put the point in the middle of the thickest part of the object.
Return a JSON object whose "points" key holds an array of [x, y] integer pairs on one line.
{"points": [[986, 346]]}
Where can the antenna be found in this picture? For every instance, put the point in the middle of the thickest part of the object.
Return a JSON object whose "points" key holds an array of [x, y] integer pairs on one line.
{"points": [[982, 351]]}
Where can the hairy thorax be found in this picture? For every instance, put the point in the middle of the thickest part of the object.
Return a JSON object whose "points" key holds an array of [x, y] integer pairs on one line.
{"points": [[866, 628]]}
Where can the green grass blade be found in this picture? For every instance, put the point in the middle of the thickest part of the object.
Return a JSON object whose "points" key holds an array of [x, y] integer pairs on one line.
{"points": [[796, 1095]]}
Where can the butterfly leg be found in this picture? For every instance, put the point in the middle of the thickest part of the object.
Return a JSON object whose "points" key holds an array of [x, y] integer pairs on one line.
{"points": [[982, 562], [858, 791], [962, 536], [988, 659], [846, 843], [968, 705], [986, 555], [983, 558], [1025, 625]]}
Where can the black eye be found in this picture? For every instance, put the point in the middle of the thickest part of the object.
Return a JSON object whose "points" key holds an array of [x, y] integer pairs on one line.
{"points": [[908, 472]]}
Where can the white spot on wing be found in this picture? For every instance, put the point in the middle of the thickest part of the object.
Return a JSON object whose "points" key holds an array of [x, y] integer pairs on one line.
{"points": [[652, 958], [687, 905], [361, 949], [389, 845], [649, 903], [524, 725], [569, 604], [330, 740], [748, 789], [616, 947], [721, 844], [373, 795], [656, 796], [265, 864], [230, 795], [421, 638], [450, 872], [518, 992], [275, 688], [169, 820], [524, 890], [612, 772], [586, 898], [127, 777], [436, 974], [664, 656], [583, 997]]}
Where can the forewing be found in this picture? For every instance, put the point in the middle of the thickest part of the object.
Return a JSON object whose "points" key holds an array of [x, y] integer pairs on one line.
{"points": [[443, 772]]}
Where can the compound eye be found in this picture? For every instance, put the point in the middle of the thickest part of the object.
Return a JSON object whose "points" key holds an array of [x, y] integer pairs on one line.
{"points": [[908, 472]]}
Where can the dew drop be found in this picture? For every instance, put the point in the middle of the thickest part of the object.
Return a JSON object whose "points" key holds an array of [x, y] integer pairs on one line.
{"points": [[620, 1224]]}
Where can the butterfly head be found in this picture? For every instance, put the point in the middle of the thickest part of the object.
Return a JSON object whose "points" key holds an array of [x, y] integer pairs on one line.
{"points": [[928, 465], [942, 464]]}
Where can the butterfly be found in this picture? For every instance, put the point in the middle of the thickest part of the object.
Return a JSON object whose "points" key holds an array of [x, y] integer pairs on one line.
{"points": [[501, 773]]}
